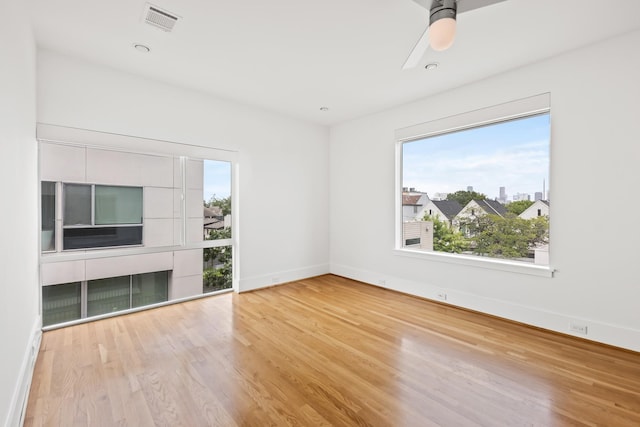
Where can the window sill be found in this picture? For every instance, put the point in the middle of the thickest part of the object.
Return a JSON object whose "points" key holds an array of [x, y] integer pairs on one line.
{"points": [[480, 262], [84, 254]]}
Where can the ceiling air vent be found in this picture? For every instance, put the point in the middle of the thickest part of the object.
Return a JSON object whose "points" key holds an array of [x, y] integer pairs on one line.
{"points": [[159, 18]]}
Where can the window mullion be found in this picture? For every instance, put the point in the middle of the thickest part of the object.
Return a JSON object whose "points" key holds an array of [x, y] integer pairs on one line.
{"points": [[83, 299], [93, 205]]}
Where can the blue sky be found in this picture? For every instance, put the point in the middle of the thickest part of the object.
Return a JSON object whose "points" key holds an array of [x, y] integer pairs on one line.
{"points": [[513, 154], [217, 179]]}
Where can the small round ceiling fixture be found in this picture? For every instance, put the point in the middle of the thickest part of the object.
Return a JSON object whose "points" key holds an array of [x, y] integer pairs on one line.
{"points": [[431, 66], [324, 108], [142, 48]]}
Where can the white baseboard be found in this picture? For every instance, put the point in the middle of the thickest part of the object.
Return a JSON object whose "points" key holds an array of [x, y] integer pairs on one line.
{"points": [[257, 282], [601, 332], [18, 404]]}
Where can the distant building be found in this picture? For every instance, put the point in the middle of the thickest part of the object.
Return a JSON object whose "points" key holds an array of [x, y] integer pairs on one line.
{"points": [[470, 188], [444, 210], [418, 235], [412, 203], [476, 208], [440, 196], [490, 207], [538, 208], [521, 196], [537, 196], [214, 219], [503, 195]]}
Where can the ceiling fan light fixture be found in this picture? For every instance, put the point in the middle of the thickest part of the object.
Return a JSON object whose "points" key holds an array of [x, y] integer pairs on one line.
{"points": [[442, 24], [443, 32]]}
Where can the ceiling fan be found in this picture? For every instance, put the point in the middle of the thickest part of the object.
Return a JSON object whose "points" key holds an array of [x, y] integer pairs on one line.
{"points": [[442, 25]]}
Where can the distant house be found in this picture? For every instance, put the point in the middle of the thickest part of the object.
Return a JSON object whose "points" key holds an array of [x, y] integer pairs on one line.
{"points": [[412, 203], [215, 220], [476, 208], [444, 210], [212, 212], [417, 235], [481, 207], [490, 207], [538, 208]]}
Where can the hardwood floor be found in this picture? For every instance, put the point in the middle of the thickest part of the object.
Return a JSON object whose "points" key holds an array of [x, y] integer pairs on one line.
{"points": [[326, 351]]}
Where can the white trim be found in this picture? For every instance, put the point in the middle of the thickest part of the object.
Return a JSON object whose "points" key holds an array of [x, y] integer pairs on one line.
{"points": [[130, 144], [536, 104], [399, 212], [83, 254], [183, 200], [20, 396], [605, 333], [480, 262], [235, 229], [131, 310], [277, 278]]}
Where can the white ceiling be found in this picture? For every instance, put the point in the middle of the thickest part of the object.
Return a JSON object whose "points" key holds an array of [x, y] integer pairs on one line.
{"points": [[295, 56]]}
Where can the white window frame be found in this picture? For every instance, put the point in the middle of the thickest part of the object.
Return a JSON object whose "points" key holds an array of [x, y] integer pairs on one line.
{"points": [[538, 104]]}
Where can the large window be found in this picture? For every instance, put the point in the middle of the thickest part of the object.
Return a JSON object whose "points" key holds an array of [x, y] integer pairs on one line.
{"points": [[148, 205], [486, 178], [97, 216]]}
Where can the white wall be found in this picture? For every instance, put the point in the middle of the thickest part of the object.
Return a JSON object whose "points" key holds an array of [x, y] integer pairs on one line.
{"points": [[283, 163], [19, 320], [595, 150]]}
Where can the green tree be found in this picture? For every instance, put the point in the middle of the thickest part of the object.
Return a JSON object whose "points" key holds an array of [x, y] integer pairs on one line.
{"points": [[540, 227], [446, 239], [506, 237], [518, 207], [463, 197], [221, 277]]}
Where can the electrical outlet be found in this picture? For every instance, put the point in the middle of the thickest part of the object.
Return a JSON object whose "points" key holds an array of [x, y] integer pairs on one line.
{"points": [[578, 328], [442, 296], [382, 282]]}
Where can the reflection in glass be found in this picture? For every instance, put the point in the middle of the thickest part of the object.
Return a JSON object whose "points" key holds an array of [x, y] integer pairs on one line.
{"points": [[60, 303], [118, 205], [48, 216], [149, 288], [77, 204], [108, 295], [101, 237]]}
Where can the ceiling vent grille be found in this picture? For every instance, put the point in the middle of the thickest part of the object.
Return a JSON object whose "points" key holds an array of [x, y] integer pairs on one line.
{"points": [[159, 18]]}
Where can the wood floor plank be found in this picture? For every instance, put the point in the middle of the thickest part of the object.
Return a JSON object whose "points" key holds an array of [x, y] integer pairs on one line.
{"points": [[326, 351]]}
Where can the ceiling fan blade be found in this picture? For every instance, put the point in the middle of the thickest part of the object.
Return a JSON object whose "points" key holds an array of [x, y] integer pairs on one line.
{"points": [[418, 51], [467, 5]]}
